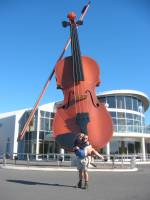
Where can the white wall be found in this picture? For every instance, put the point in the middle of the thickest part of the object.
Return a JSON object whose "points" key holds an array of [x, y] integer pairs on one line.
{"points": [[47, 107], [7, 130], [9, 127]]}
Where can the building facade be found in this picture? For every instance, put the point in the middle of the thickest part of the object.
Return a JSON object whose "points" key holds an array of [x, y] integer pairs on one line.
{"points": [[127, 107], [131, 134]]}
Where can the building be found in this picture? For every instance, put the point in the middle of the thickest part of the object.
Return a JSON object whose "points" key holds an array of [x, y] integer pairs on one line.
{"points": [[127, 107], [131, 134]]}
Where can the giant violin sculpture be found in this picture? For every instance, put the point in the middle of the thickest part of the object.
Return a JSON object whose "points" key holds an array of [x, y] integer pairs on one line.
{"points": [[80, 111]]}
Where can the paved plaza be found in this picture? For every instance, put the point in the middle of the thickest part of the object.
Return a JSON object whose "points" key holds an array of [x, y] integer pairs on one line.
{"points": [[51, 185]]}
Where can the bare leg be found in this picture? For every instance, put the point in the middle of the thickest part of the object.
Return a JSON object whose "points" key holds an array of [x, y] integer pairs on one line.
{"points": [[91, 151], [86, 176]]}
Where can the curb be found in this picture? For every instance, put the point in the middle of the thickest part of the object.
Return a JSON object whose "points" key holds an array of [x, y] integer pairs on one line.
{"points": [[70, 169]]}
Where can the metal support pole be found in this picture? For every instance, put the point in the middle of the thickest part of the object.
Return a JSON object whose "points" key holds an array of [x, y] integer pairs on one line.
{"points": [[143, 149], [28, 159], [4, 159], [108, 151], [133, 162]]}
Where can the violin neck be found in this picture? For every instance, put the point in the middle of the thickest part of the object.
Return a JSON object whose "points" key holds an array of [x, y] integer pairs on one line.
{"points": [[76, 55]]}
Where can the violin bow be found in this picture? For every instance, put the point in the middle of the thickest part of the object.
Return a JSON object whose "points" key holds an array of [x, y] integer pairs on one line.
{"points": [[22, 133]]}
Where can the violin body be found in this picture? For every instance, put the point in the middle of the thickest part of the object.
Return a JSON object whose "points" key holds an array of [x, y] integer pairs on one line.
{"points": [[78, 76], [65, 127]]}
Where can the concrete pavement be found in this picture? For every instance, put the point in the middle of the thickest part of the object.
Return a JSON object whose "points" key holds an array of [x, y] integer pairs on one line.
{"points": [[47, 185]]}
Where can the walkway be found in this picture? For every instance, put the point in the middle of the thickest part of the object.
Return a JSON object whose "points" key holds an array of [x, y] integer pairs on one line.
{"points": [[46, 185]]}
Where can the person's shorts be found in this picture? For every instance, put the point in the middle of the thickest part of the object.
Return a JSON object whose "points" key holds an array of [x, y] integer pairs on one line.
{"points": [[83, 164]]}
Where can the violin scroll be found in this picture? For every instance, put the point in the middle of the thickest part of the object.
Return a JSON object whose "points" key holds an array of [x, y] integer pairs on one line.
{"points": [[71, 16]]}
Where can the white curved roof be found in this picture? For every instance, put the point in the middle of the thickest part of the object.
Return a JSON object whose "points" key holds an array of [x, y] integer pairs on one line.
{"points": [[140, 95]]}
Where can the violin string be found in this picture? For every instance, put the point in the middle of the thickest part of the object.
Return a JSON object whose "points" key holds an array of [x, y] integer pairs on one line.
{"points": [[76, 57], [77, 71], [76, 68], [73, 64], [81, 73], [79, 64]]}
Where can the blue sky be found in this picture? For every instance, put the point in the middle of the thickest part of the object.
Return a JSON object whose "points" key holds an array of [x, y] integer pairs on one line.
{"points": [[115, 33]]}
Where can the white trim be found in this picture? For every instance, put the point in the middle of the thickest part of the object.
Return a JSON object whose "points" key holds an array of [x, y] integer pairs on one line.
{"points": [[125, 91], [125, 111], [71, 169], [131, 134], [144, 98]]}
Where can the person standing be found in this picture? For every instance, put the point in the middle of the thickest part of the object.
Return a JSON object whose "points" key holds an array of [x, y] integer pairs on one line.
{"points": [[84, 151]]}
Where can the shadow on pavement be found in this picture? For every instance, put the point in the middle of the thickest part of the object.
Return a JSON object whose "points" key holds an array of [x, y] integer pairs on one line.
{"points": [[37, 183]]}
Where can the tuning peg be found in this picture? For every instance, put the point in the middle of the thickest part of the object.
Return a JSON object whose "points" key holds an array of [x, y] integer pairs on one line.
{"points": [[65, 24]]}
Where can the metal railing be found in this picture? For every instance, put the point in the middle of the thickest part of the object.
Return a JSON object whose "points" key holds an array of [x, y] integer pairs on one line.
{"points": [[131, 128], [69, 160]]}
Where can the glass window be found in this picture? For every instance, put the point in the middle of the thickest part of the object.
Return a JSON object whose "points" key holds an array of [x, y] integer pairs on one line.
{"points": [[114, 147], [137, 147], [121, 122], [129, 115], [147, 129], [47, 133], [29, 136], [136, 117], [139, 117], [42, 113], [102, 99], [114, 120], [136, 126], [111, 100], [115, 128], [113, 114], [47, 114], [129, 128], [120, 114], [51, 124], [52, 115], [140, 107], [131, 148], [120, 102], [121, 128], [136, 123], [123, 147], [142, 121], [129, 122], [42, 124], [35, 122], [135, 104], [41, 135], [34, 135], [47, 124], [128, 101]]}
